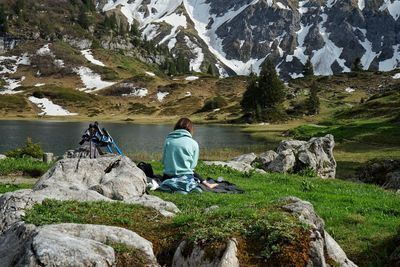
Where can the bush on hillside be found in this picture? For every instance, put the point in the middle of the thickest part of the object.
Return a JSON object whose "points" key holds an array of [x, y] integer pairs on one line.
{"points": [[213, 103], [29, 150]]}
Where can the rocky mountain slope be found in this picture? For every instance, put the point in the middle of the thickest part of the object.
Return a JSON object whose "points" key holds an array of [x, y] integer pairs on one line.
{"points": [[239, 35]]}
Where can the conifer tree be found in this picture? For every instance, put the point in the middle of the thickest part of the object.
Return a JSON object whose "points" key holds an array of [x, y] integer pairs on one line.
{"points": [[249, 100], [83, 19], [313, 104], [308, 68], [210, 70], [3, 20], [19, 6], [356, 66], [271, 88]]}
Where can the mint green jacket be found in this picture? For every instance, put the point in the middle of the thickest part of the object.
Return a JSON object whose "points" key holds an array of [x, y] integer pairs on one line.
{"points": [[181, 153]]}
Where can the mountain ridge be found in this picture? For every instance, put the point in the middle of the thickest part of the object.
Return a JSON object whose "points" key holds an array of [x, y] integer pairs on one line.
{"points": [[241, 34]]}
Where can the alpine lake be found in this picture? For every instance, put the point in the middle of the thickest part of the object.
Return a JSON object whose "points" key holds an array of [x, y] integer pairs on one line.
{"points": [[58, 137]]}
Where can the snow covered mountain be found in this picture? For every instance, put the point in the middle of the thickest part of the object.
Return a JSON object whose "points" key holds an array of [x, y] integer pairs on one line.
{"points": [[236, 36]]}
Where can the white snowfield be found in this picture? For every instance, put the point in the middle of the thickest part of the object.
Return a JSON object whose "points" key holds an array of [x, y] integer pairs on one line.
{"points": [[9, 65], [161, 96], [349, 90], [199, 12], [49, 108], [89, 56], [396, 76], [91, 80]]}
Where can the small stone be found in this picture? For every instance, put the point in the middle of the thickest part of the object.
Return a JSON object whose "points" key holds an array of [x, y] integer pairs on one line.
{"points": [[48, 157]]}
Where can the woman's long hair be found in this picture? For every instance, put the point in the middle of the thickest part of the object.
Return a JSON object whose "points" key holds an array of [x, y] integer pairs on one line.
{"points": [[185, 124]]}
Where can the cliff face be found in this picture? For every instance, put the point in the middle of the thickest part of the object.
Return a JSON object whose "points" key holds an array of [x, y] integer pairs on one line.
{"points": [[238, 35]]}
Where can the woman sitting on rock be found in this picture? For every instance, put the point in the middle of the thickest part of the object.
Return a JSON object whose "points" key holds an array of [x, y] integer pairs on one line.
{"points": [[181, 153]]}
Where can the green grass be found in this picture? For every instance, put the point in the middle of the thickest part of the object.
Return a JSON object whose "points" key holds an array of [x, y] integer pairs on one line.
{"points": [[364, 131], [363, 219], [23, 166], [4, 188]]}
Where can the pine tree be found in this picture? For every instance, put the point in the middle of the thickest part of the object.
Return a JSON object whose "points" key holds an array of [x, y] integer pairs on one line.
{"points": [[308, 68], [271, 88], [249, 100], [19, 6], [210, 70], [134, 30], [3, 20], [88, 5], [313, 104], [83, 19], [356, 66]]}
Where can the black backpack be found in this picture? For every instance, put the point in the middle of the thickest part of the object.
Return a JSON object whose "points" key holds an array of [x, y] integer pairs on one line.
{"points": [[146, 168]]}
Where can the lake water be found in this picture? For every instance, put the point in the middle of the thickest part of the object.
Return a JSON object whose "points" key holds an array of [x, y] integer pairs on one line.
{"points": [[57, 137]]}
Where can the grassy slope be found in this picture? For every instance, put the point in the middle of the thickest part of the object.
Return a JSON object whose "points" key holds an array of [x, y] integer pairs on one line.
{"points": [[364, 219]]}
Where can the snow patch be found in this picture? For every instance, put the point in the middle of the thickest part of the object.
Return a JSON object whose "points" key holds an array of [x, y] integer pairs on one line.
{"points": [[59, 63], [323, 58], [302, 9], [9, 65], [150, 73], [89, 56], [45, 51], [195, 63], [391, 63], [49, 108], [191, 78], [91, 80], [171, 43], [349, 90], [361, 4], [138, 92], [161, 96], [187, 94], [330, 3], [39, 84], [300, 49], [396, 76], [369, 55], [296, 75], [392, 7], [282, 6]]}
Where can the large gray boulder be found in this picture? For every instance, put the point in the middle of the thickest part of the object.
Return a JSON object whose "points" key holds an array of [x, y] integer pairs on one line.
{"points": [[79, 178], [321, 241], [295, 156], [245, 158], [266, 158], [68, 245], [290, 156], [116, 177], [198, 257], [384, 172], [284, 162]]}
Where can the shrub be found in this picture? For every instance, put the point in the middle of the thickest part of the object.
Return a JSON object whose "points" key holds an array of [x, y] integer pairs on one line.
{"points": [[213, 103], [29, 150]]}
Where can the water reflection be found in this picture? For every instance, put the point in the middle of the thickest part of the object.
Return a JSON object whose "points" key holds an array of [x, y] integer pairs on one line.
{"points": [[57, 137]]}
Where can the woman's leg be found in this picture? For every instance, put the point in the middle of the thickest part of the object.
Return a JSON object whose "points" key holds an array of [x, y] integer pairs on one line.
{"points": [[203, 181]]}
